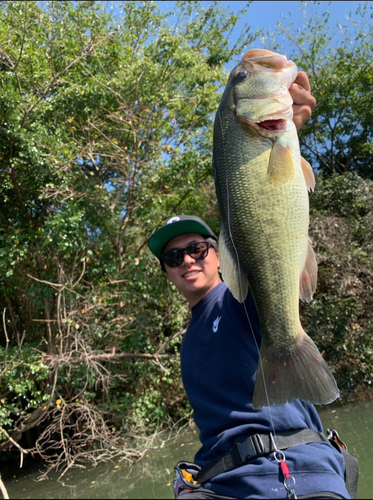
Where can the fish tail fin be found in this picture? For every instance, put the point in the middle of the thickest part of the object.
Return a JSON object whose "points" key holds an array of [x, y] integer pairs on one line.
{"points": [[301, 374]]}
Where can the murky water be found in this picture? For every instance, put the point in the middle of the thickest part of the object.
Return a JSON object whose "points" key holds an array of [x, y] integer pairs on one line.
{"points": [[152, 477]]}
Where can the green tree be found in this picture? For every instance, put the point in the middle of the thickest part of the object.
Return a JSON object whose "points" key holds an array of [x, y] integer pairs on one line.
{"points": [[340, 317], [105, 131]]}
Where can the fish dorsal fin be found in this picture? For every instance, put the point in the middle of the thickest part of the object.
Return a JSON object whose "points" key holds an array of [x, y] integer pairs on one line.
{"points": [[308, 174], [231, 271], [308, 278], [281, 163]]}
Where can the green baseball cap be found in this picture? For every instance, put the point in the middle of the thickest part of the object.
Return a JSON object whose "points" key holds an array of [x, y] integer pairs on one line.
{"points": [[180, 224]]}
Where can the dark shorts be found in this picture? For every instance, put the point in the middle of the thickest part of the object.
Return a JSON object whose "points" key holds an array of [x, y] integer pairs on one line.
{"points": [[203, 493]]}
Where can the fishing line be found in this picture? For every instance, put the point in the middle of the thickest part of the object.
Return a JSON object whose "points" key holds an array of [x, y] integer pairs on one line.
{"points": [[247, 314]]}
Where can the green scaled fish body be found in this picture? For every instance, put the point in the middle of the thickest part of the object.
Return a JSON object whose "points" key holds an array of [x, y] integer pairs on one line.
{"points": [[262, 183]]}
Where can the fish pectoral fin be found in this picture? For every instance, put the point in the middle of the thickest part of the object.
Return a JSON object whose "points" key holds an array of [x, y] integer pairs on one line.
{"points": [[308, 278], [281, 163], [308, 174], [231, 270]]}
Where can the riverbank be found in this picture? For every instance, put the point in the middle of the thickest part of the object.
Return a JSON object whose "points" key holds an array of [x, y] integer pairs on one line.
{"points": [[152, 476], [133, 449]]}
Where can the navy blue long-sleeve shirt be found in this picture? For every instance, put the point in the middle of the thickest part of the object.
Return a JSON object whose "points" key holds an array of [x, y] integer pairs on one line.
{"points": [[219, 359]]}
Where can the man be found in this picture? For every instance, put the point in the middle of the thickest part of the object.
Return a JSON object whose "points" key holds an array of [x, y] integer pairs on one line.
{"points": [[271, 452]]}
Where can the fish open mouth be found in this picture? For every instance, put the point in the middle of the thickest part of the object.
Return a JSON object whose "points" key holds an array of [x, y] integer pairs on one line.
{"points": [[273, 124]]}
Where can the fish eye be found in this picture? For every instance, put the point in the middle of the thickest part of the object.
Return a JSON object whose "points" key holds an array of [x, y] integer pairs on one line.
{"points": [[241, 75]]}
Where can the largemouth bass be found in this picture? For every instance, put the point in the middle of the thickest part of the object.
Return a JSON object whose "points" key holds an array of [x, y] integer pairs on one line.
{"points": [[262, 185]]}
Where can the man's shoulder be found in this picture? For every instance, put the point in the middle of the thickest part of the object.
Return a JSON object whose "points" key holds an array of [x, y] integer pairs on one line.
{"points": [[211, 298], [220, 297]]}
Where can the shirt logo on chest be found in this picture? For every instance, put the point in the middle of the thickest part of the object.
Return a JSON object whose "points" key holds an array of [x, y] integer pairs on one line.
{"points": [[215, 324]]}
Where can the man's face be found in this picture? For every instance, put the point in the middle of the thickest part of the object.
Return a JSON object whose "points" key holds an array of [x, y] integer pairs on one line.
{"points": [[193, 278]]}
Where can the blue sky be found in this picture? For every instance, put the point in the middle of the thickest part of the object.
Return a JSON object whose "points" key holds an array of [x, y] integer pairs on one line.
{"points": [[266, 14]]}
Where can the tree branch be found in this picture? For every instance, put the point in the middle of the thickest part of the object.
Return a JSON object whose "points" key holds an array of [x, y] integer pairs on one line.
{"points": [[110, 356], [13, 442], [87, 50], [3, 489]]}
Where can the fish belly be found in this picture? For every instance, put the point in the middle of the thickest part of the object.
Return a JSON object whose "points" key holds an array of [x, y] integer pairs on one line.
{"points": [[265, 225], [268, 225]]}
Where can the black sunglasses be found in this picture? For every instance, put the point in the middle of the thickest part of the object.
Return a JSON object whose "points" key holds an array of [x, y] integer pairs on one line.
{"points": [[197, 251]]}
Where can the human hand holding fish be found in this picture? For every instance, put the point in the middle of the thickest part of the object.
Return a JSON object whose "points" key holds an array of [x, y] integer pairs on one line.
{"points": [[261, 183], [303, 101]]}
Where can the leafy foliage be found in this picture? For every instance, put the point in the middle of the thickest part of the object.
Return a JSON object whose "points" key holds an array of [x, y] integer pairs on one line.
{"points": [[22, 382], [340, 317], [105, 132]]}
